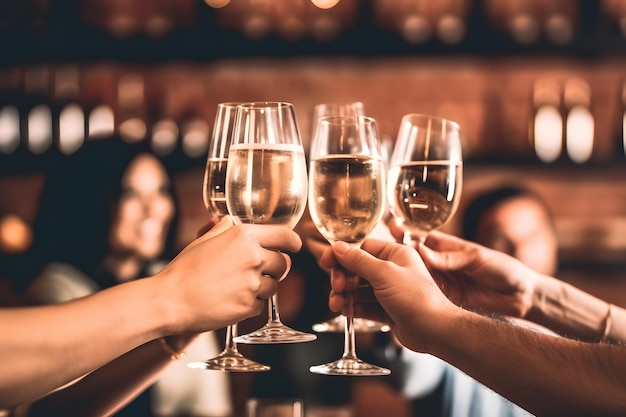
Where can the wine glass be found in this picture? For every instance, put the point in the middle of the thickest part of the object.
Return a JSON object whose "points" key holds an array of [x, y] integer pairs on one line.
{"points": [[425, 174], [346, 201], [214, 195], [337, 323], [266, 183]]}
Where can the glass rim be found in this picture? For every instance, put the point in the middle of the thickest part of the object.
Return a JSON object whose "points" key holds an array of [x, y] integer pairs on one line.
{"points": [[426, 116], [339, 120], [265, 104], [233, 104]]}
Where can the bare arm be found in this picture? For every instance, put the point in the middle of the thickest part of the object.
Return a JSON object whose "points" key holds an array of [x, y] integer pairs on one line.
{"points": [[544, 374], [574, 313], [480, 278], [111, 387], [43, 348]]}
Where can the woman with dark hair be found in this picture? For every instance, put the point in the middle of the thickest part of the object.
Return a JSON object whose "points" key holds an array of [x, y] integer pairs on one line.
{"points": [[106, 217]]}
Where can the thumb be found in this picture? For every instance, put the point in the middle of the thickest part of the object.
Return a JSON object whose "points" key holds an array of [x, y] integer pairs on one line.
{"points": [[357, 261]]}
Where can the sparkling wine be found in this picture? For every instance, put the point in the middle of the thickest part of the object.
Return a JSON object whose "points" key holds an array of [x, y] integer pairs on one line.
{"points": [[346, 196], [214, 190], [267, 184], [424, 195]]}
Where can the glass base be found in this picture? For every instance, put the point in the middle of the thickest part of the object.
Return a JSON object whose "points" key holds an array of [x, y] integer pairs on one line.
{"points": [[338, 324], [275, 333], [349, 367], [232, 362]]}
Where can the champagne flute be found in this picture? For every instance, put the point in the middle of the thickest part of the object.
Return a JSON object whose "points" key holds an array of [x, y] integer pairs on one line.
{"points": [[425, 174], [266, 184], [346, 201], [337, 323], [214, 195]]}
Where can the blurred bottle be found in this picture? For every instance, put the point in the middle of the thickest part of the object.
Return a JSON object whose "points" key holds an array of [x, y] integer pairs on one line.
{"points": [[9, 112], [579, 121], [68, 116], [131, 108], [546, 124], [36, 120]]}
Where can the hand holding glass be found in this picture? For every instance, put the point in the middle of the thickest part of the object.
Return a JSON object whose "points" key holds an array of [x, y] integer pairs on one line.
{"points": [[266, 184], [337, 323], [346, 201], [214, 195]]}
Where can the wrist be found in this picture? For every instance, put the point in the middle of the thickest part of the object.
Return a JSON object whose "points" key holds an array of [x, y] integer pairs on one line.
{"points": [[569, 311]]}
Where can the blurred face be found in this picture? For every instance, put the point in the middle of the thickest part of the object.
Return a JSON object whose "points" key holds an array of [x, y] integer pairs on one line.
{"points": [[521, 228], [145, 210]]}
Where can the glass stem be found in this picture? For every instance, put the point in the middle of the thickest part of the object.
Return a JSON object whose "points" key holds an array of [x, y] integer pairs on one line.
{"points": [[231, 333], [349, 335], [272, 310]]}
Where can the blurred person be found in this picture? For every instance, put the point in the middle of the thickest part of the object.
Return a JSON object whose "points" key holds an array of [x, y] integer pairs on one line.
{"points": [[516, 221], [107, 217], [222, 277], [545, 374]]}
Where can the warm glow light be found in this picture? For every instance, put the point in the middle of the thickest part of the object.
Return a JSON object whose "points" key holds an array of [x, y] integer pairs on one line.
{"points": [[579, 134], [559, 29], [524, 29], [324, 4], [133, 130], [195, 138], [39, 129], [216, 4], [15, 235], [164, 136], [548, 133], [101, 122], [416, 29], [9, 129], [451, 29], [257, 27], [71, 129]]}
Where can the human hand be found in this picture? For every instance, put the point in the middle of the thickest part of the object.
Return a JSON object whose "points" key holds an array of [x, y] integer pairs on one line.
{"points": [[478, 278], [406, 297], [226, 275]]}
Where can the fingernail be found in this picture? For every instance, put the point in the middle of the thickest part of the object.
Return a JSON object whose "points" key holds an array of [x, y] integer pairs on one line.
{"points": [[341, 247]]}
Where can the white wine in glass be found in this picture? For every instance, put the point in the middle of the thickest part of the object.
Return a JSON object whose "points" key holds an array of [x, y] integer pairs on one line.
{"points": [[266, 183], [346, 202], [425, 175], [337, 323], [214, 196]]}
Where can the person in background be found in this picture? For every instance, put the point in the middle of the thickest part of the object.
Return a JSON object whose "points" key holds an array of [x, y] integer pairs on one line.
{"points": [[514, 220], [108, 217], [67, 352], [545, 374]]}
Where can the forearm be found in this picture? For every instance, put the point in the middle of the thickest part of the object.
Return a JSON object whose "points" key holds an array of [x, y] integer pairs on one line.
{"points": [[546, 375], [111, 387], [44, 348], [574, 313]]}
